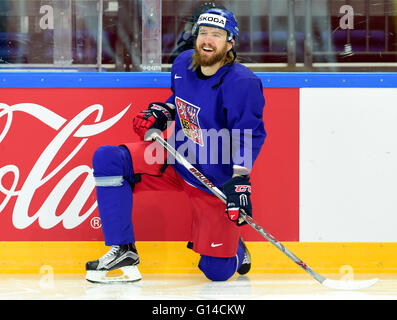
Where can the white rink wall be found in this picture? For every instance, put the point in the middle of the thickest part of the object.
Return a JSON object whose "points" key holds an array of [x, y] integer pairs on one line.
{"points": [[348, 164]]}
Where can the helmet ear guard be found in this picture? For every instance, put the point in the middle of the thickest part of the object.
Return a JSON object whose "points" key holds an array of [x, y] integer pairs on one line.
{"points": [[229, 37]]}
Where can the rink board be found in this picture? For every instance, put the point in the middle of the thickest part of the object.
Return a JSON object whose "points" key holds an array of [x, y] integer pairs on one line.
{"points": [[324, 181], [175, 257]]}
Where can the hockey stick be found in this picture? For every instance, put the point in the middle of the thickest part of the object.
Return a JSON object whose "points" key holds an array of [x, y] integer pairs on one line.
{"points": [[329, 283]]}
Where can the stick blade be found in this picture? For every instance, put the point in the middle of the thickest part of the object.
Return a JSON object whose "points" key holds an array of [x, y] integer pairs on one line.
{"points": [[349, 285]]}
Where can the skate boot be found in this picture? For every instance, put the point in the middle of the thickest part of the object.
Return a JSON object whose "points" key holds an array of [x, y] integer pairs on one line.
{"points": [[246, 265], [123, 257]]}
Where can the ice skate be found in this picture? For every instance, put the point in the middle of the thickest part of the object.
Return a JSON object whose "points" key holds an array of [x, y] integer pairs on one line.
{"points": [[246, 265], [124, 258]]}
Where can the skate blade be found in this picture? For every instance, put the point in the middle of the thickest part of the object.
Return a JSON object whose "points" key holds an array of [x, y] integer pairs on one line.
{"points": [[129, 274]]}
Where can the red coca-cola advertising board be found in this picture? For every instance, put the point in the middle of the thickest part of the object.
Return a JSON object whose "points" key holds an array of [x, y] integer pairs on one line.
{"points": [[48, 137]]}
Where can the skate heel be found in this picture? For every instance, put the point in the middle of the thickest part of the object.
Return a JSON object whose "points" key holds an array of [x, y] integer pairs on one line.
{"points": [[131, 273]]}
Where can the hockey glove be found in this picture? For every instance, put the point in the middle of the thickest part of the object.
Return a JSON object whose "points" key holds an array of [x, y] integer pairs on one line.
{"points": [[155, 117], [238, 191]]}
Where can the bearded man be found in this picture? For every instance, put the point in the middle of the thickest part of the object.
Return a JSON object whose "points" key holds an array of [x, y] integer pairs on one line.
{"points": [[213, 97]]}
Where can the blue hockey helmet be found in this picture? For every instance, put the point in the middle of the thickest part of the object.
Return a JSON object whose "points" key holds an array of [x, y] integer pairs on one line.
{"points": [[218, 18]]}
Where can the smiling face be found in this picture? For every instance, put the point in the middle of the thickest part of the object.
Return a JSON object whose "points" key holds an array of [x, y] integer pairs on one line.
{"points": [[211, 46]]}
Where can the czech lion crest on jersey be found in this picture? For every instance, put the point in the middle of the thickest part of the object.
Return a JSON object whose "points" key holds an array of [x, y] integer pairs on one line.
{"points": [[188, 115]]}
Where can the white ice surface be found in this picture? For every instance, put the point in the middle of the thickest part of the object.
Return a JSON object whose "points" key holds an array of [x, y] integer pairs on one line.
{"points": [[188, 287]]}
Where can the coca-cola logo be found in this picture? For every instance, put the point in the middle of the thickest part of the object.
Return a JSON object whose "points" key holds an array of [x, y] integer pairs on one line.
{"points": [[39, 173]]}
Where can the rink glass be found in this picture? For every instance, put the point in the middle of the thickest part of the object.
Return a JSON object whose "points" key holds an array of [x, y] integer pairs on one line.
{"points": [[132, 35]]}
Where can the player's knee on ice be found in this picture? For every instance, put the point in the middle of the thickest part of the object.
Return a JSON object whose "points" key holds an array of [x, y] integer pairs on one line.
{"points": [[218, 269]]}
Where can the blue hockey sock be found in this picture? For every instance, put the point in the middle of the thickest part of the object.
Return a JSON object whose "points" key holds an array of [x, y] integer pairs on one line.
{"points": [[113, 174]]}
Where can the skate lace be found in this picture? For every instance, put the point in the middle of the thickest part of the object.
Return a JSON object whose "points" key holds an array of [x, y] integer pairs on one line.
{"points": [[111, 252]]}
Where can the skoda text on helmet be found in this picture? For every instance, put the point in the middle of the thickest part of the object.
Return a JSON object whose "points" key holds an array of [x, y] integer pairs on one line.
{"points": [[219, 18]]}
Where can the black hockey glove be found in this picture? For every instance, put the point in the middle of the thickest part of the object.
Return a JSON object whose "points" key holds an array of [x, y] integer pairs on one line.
{"points": [[238, 191], [155, 117]]}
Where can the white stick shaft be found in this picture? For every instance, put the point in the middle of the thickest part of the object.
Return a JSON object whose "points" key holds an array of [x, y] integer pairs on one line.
{"points": [[332, 284], [215, 190]]}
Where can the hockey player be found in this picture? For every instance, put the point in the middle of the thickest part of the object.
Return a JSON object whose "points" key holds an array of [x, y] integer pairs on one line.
{"points": [[211, 94]]}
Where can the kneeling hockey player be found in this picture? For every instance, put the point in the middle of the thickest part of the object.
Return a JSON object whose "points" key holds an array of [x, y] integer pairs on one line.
{"points": [[212, 95]]}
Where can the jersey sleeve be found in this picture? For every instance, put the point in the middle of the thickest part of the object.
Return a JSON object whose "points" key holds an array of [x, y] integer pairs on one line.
{"points": [[244, 103]]}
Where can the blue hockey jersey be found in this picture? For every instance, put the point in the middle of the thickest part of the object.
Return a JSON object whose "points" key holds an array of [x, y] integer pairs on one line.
{"points": [[218, 123]]}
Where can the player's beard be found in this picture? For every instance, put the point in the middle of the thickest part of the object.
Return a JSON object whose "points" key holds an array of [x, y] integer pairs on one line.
{"points": [[202, 60]]}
